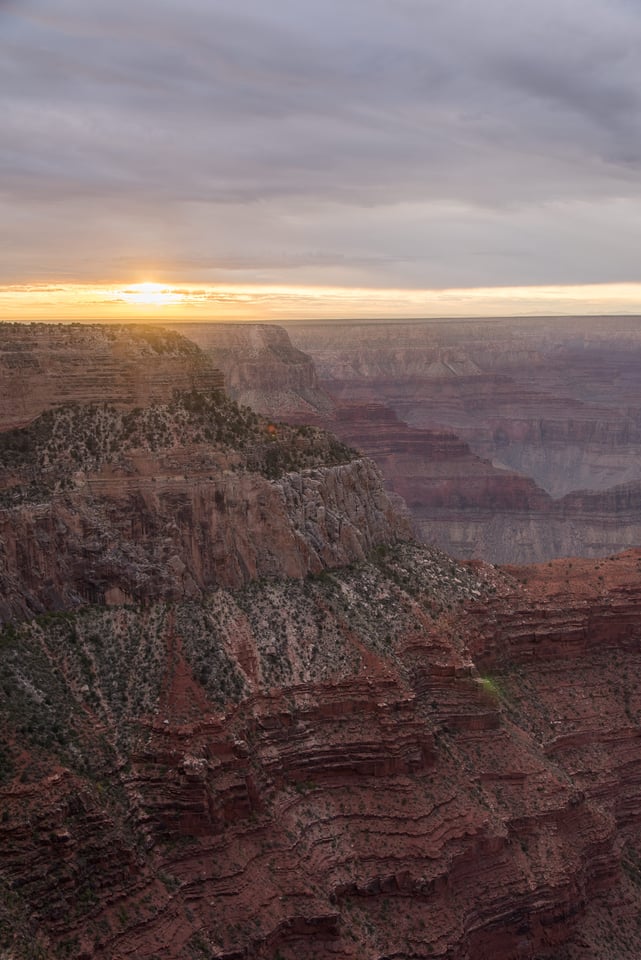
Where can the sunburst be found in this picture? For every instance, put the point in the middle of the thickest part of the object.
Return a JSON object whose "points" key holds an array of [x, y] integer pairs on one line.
{"points": [[151, 293]]}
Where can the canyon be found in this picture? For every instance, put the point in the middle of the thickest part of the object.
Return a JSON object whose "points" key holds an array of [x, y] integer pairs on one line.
{"points": [[550, 406], [511, 440], [245, 714]]}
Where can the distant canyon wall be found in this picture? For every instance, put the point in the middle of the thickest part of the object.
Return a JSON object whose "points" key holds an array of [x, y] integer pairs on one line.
{"points": [[513, 440], [261, 367], [542, 420]]}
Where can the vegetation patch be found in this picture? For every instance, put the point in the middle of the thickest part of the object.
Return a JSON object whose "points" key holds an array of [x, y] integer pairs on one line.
{"points": [[44, 457]]}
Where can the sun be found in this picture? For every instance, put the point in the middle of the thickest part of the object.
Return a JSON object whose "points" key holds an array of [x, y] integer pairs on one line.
{"points": [[150, 293]]}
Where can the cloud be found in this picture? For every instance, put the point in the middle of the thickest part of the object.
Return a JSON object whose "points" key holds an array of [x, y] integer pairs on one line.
{"points": [[214, 132]]}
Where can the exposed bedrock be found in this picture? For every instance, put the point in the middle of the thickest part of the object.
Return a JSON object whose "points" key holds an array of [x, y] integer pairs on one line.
{"points": [[510, 521], [252, 720], [262, 369], [550, 412], [101, 505], [471, 508], [44, 364], [165, 533], [519, 391], [298, 770]]}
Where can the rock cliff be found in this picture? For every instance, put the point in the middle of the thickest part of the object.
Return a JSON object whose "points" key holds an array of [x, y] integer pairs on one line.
{"points": [[471, 508], [44, 364], [102, 506], [404, 758], [262, 369], [251, 719], [549, 411]]}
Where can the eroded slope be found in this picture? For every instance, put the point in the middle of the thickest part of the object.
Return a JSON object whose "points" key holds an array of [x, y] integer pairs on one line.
{"points": [[102, 505], [547, 409], [242, 716], [404, 758]]}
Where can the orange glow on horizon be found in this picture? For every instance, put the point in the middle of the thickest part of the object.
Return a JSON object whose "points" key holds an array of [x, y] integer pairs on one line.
{"points": [[150, 300], [150, 293]]}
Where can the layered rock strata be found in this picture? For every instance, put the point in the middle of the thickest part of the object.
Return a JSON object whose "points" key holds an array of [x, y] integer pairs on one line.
{"points": [[262, 369], [408, 758], [44, 364], [549, 411], [329, 742], [148, 508]]}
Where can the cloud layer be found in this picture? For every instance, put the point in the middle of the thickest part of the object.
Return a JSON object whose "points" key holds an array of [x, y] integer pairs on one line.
{"points": [[368, 142]]}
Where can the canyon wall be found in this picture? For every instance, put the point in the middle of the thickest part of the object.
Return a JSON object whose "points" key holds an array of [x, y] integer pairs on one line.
{"points": [[145, 537], [261, 367], [549, 412], [405, 758], [514, 440], [174, 500], [562, 393], [252, 719], [44, 364]]}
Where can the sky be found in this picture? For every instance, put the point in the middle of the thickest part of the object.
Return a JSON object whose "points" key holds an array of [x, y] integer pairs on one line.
{"points": [[319, 158]]}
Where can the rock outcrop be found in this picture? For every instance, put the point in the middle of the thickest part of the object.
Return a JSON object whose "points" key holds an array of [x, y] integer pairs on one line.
{"points": [[471, 508], [278, 729], [44, 364], [262, 369], [139, 538], [407, 758], [100, 506]]}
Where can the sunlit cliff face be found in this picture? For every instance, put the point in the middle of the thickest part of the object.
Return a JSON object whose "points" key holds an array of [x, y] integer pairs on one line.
{"points": [[164, 301]]}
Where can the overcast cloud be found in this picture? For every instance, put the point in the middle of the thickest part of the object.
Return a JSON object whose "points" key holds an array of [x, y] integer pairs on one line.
{"points": [[382, 142]]}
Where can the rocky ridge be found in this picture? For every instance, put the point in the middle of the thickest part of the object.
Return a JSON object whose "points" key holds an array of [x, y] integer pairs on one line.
{"points": [[241, 715], [262, 369], [46, 364], [105, 506]]}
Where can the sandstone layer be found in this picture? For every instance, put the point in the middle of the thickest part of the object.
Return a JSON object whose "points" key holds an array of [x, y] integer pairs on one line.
{"points": [[408, 758], [97, 506], [44, 364]]}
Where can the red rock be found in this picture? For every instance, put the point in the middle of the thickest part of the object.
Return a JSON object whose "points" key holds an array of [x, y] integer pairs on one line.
{"points": [[395, 756], [43, 364]]}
